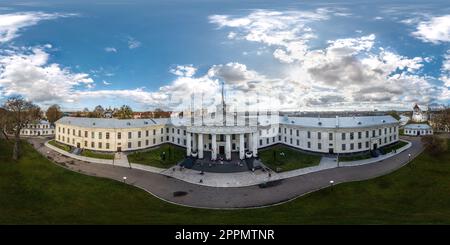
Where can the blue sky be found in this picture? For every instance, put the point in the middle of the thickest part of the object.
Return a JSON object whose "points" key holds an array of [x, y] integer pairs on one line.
{"points": [[308, 55]]}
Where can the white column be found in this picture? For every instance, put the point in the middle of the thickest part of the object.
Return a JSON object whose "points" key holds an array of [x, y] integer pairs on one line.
{"points": [[255, 144], [194, 142], [188, 144], [250, 141], [213, 147], [228, 147], [200, 146], [241, 147]]}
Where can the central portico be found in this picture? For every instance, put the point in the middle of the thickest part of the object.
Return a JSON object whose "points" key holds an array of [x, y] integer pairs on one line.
{"points": [[221, 140]]}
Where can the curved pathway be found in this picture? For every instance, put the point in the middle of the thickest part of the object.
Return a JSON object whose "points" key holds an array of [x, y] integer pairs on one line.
{"points": [[163, 187]]}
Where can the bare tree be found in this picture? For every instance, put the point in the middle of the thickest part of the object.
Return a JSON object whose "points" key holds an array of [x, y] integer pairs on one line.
{"points": [[53, 114], [125, 112], [20, 113], [4, 119]]}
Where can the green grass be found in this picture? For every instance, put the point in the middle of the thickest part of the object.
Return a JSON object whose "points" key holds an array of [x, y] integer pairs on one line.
{"points": [[89, 153], [395, 146], [59, 145], [293, 159], [36, 191], [154, 158], [357, 157]]}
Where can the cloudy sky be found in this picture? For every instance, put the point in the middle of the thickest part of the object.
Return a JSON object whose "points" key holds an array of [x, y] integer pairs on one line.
{"points": [[304, 55]]}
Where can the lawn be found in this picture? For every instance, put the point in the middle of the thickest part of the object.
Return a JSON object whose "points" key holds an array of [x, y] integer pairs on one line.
{"points": [[349, 158], [59, 145], [154, 157], [395, 146], [89, 153], [292, 159], [36, 191]]}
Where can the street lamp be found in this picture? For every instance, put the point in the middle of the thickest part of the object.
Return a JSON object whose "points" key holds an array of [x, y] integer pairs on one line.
{"points": [[124, 179], [331, 182]]}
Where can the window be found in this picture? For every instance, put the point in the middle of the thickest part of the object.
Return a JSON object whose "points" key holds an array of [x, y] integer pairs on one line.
{"points": [[343, 147], [385, 130], [146, 142], [367, 134], [309, 135], [64, 131], [139, 134], [367, 144], [373, 133], [379, 131], [298, 142], [154, 131], [162, 130], [290, 140], [167, 130], [146, 133], [359, 135], [139, 143], [173, 130], [309, 144], [73, 132], [330, 136], [100, 145], [284, 130], [319, 146], [85, 143], [93, 135], [92, 144], [99, 135], [129, 145], [385, 140], [107, 145], [233, 136], [290, 131], [154, 141], [319, 135], [119, 135], [129, 135], [359, 145], [351, 136], [79, 133], [107, 135], [298, 132], [85, 134], [178, 131], [267, 141], [343, 136], [351, 146]]}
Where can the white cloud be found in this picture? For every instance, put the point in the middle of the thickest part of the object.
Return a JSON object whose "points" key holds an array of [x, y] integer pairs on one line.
{"points": [[110, 50], [106, 83], [133, 43], [347, 73], [185, 71], [287, 31], [11, 24], [434, 30], [27, 72]]}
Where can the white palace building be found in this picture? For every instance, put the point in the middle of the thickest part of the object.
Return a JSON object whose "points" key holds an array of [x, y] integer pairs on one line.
{"points": [[242, 135]]}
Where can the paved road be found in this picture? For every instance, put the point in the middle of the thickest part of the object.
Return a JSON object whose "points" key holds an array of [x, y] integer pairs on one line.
{"points": [[163, 187]]}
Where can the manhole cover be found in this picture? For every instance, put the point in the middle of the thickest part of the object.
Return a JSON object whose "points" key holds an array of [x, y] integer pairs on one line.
{"points": [[179, 193]]}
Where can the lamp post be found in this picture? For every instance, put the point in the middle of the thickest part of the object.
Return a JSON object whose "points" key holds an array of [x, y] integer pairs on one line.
{"points": [[124, 179]]}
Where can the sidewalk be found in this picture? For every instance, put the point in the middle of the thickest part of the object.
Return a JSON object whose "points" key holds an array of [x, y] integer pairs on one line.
{"points": [[240, 179]]}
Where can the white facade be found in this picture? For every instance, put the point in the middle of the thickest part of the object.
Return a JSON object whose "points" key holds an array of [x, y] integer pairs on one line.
{"points": [[41, 128], [322, 135], [418, 115], [417, 130]]}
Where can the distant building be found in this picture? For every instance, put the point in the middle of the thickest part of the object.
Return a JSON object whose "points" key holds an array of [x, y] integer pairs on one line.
{"points": [[40, 128], [418, 129], [418, 115]]}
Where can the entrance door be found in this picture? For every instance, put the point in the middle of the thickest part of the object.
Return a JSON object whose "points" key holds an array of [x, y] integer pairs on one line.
{"points": [[331, 151], [375, 146], [418, 132], [119, 149], [221, 150], [78, 145]]}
